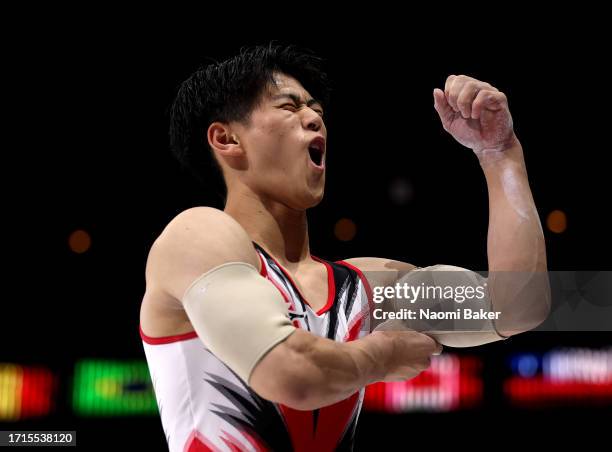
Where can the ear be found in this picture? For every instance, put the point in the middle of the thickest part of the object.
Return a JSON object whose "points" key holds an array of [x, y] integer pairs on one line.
{"points": [[223, 140]]}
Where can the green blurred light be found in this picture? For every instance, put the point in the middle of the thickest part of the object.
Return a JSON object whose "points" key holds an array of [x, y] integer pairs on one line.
{"points": [[113, 388]]}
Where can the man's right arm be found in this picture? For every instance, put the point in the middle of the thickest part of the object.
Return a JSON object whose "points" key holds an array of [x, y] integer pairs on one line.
{"points": [[189, 262], [307, 372]]}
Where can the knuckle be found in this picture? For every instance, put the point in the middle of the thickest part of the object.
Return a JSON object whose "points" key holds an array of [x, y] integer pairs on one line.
{"points": [[428, 342], [463, 101], [482, 95]]}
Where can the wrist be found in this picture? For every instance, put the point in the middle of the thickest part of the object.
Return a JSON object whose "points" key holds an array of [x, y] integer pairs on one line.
{"points": [[375, 351], [509, 151]]}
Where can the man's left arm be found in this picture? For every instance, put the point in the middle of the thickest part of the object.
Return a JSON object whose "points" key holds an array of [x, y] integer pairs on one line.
{"points": [[477, 115]]}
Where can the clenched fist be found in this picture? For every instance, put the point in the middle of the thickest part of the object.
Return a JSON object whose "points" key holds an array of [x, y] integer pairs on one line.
{"points": [[475, 113]]}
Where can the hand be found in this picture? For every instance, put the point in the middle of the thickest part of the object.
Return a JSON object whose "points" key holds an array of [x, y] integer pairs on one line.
{"points": [[411, 353], [476, 114]]}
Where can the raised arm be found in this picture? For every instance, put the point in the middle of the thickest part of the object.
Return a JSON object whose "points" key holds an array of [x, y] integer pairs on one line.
{"points": [[518, 294], [477, 115]]}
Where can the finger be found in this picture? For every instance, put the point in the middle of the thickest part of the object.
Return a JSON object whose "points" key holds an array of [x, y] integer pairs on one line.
{"points": [[479, 103], [442, 107], [434, 347], [451, 91], [491, 100], [447, 87], [466, 97], [447, 84], [454, 89], [439, 349], [497, 101]]}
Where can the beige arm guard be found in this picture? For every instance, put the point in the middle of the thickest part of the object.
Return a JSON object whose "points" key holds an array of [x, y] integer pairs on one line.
{"points": [[466, 338], [238, 314], [455, 333]]}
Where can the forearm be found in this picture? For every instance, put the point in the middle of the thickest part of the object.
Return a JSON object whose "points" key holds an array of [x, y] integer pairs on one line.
{"points": [[515, 244], [515, 239], [308, 372]]}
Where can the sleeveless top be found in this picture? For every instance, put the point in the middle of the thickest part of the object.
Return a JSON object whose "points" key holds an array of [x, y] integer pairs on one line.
{"points": [[204, 406]]}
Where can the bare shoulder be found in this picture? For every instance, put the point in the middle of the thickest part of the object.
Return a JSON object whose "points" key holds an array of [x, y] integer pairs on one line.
{"points": [[195, 241], [380, 271]]}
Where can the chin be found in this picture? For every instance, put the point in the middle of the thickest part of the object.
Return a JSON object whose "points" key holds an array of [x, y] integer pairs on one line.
{"points": [[307, 200], [316, 199]]}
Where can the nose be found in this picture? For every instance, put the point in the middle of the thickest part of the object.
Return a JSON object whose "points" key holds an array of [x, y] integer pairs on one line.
{"points": [[313, 121]]}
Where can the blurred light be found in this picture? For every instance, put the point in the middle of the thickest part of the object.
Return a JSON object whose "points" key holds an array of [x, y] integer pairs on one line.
{"points": [[113, 388], [451, 383], [345, 229], [79, 241], [579, 364], [401, 191], [556, 221], [25, 392], [568, 377], [525, 365]]}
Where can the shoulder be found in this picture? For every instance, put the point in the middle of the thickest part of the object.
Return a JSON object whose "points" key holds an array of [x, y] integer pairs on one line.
{"points": [[203, 224], [380, 271], [193, 242]]}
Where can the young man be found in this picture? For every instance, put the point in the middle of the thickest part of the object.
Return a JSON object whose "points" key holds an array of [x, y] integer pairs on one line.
{"points": [[252, 342]]}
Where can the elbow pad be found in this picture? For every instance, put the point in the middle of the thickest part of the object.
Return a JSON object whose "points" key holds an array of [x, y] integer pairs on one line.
{"points": [[238, 314], [449, 327]]}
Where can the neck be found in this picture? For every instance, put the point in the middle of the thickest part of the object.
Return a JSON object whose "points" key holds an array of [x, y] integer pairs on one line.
{"points": [[280, 230]]}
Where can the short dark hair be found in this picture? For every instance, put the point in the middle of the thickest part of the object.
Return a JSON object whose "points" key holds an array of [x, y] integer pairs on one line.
{"points": [[230, 91]]}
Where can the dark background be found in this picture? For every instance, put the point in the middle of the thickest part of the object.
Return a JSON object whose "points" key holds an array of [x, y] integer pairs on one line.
{"points": [[87, 149]]}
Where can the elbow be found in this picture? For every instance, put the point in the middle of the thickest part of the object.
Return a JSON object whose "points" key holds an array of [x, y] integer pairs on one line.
{"points": [[540, 303], [544, 306], [532, 314], [527, 323]]}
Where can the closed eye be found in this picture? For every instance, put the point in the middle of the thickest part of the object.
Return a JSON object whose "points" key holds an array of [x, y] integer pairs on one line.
{"points": [[295, 107]]}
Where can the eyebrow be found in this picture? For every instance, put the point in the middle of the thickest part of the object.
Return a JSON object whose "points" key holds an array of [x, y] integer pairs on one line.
{"points": [[297, 99]]}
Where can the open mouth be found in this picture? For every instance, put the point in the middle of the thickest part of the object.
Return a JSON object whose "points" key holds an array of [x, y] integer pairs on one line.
{"points": [[316, 155], [316, 150]]}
